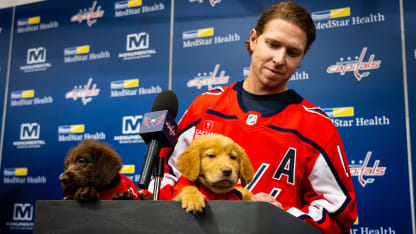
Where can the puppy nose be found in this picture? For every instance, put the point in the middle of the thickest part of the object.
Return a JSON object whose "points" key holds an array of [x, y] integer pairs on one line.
{"points": [[226, 171], [63, 177]]}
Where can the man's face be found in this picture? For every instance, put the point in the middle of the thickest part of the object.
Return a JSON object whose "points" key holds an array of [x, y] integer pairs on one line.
{"points": [[277, 52]]}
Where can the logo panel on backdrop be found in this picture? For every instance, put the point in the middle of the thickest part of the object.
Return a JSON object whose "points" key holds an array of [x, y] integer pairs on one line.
{"points": [[130, 87], [135, 7], [345, 117], [130, 130], [365, 172], [90, 15], [84, 92], [76, 132], [355, 64], [28, 98], [83, 53], [34, 24], [29, 136], [206, 37], [341, 17], [22, 219], [20, 175], [137, 47], [36, 60], [209, 79]]}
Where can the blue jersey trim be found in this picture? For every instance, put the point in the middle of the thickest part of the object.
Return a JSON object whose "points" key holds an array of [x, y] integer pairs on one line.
{"points": [[209, 111]]}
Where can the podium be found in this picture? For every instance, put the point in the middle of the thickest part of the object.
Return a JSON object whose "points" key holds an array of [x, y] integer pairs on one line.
{"points": [[164, 217]]}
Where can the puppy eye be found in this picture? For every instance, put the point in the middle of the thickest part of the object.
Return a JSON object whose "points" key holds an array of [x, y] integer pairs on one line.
{"points": [[233, 157], [82, 161], [212, 155]]}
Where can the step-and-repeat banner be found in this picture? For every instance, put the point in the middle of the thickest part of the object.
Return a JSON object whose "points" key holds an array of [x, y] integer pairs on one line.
{"points": [[91, 69]]}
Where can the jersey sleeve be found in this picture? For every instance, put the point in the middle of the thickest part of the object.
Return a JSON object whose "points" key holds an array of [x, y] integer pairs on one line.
{"points": [[328, 193]]}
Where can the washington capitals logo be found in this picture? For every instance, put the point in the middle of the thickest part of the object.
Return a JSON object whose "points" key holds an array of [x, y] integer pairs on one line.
{"points": [[362, 170], [153, 122], [355, 65], [171, 128]]}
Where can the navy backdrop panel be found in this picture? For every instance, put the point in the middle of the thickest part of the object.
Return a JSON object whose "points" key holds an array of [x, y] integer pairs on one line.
{"points": [[91, 69]]}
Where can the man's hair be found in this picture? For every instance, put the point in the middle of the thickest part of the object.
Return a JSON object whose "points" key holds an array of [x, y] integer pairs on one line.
{"points": [[291, 12]]}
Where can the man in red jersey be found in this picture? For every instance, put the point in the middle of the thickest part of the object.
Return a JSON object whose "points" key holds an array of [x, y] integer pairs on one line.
{"points": [[296, 151]]}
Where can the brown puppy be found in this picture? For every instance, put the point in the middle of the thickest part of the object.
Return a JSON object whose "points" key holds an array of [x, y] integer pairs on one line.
{"points": [[216, 162], [92, 173]]}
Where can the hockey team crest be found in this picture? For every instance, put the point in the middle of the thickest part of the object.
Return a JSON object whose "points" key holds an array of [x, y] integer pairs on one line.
{"points": [[251, 119]]}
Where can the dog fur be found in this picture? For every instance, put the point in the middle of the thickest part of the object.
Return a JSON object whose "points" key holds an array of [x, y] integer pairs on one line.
{"points": [[216, 162], [90, 168]]}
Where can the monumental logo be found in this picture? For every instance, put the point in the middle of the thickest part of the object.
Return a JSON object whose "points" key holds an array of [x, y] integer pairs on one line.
{"points": [[20, 176], [212, 2], [365, 172], [344, 117], [82, 53], [126, 88], [84, 92], [36, 60], [137, 47], [90, 15], [29, 136], [209, 79], [135, 7], [356, 65], [341, 17], [206, 37], [23, 214], [130, 128], [33, 24], [76, 132], [27, 98]]}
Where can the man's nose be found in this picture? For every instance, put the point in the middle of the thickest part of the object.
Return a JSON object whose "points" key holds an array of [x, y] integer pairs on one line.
{"points": [[279, 57]]}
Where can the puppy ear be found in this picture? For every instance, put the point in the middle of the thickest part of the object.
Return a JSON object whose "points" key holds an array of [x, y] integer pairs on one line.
{"points": [[108, 161], [189, 162], [246, 169]]}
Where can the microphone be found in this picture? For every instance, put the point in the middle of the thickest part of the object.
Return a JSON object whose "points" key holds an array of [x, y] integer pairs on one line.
{"points": [[158, 129]]}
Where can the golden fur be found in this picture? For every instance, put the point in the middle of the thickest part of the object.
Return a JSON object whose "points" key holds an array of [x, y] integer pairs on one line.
{"points": [[217, 162], [90, 167]]}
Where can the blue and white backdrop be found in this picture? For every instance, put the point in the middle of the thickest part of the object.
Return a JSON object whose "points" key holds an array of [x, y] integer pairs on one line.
{"points": [[92, 68]]}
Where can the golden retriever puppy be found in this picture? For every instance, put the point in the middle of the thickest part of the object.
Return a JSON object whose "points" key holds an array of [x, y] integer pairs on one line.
{"points": [[92, 173], [211, 167]]}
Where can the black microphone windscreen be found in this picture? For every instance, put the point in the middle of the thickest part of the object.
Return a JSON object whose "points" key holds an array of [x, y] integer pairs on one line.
{"points": [[166, 100]]}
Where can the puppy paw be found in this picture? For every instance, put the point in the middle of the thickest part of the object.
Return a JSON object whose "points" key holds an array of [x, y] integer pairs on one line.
{"points": [[87, 193], [192, 199], [123, 196]]}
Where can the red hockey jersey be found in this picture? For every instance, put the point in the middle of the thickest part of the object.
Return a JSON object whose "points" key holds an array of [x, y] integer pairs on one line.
{"points": [[120, 184], [297, 154], [169, 192]]}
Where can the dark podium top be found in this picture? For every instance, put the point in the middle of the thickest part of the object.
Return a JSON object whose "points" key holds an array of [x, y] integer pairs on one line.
{"points": [[164, 217]]}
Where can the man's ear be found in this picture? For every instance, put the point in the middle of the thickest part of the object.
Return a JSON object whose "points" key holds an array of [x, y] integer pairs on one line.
{"points": [[253, 39]]}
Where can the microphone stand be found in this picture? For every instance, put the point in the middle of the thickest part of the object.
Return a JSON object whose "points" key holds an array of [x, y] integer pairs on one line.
{"points": [[158, 173]]}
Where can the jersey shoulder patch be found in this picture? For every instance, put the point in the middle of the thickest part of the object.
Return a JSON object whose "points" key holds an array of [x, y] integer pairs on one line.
{"points": [[316, 110]]}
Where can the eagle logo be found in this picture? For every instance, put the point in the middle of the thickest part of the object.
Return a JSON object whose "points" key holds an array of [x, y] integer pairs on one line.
{"points": [[153, 122]]}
